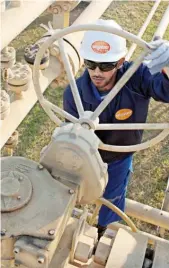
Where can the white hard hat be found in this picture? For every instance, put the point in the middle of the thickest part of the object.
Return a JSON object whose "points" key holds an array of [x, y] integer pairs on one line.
{"points": [[102, 46]]}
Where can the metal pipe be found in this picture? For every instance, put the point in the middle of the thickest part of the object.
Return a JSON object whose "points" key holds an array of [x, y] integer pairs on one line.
{"points": [[118, 86], [152, 239], [132, 126], [70, 76], [21, 17], [161, 30], [143, 28], [134, 148], [142, 212], [89, 14], [162, 27], [165, 206], [147, 213], [119, 212], [66, 19]]}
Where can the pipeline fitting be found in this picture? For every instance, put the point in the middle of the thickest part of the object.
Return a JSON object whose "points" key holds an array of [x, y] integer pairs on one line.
{"points": [[30, 55], [4, 104], [19, 78], [7, 57], [62, 6]]}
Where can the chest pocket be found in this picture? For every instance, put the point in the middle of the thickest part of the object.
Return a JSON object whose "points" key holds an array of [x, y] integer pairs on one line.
{"points": [[132, 107]]}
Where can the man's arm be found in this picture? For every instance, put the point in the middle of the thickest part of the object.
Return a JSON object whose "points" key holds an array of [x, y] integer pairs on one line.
{"points": [[152, 78], [151, 85], [156, 77]]}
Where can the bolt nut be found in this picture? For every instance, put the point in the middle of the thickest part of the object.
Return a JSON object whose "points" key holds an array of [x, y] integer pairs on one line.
{"points": [[23, 75], [55, 11], [16, 250], [71, 191], [51, 232], [19, 197], [17, 76], [20, 178], [40, 167], [3, 232], [41, 259]]}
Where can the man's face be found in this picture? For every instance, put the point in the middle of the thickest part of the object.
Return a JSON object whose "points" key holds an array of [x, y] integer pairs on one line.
{"points": [[102, 74], [101, 79]]}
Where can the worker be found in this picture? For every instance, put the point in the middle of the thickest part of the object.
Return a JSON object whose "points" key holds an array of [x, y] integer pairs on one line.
{"points": [[104, 59]]}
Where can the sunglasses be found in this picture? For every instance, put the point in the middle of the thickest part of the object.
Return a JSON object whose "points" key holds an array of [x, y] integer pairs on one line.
{"points": [[103, 66]]}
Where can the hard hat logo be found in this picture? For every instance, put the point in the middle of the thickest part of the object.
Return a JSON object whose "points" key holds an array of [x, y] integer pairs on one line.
{"points": [[100, 47]]}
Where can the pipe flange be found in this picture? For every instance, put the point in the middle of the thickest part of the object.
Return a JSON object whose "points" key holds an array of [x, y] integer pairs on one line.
{"points": [[8, 57], [30, 55], [19, 78], [16, 190], [4, 104]]}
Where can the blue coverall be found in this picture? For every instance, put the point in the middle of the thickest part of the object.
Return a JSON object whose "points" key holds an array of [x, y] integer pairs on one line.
{"points": [[135, 95]]}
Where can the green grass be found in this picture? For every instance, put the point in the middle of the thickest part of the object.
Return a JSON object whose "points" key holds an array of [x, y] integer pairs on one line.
{"points": [[151, 167]]}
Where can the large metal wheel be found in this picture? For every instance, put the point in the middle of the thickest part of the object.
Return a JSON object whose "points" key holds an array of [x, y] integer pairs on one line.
{"points": [[90, 119]]}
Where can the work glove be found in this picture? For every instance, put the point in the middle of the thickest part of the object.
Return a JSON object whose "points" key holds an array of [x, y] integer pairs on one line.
{"points": [[159, 57]]}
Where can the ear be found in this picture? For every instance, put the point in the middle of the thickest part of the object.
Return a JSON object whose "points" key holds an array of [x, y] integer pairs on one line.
{"points": [[120, 63]]}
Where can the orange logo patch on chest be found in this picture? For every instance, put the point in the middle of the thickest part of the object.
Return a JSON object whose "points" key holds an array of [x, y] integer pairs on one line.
{"points": [[100, 47], [123, 114]]}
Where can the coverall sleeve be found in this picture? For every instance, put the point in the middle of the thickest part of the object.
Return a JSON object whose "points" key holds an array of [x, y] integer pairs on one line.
{"points": [[68, 102], [155, 86]]}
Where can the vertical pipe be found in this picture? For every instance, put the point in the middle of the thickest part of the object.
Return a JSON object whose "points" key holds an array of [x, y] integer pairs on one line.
{"points": [[143, 28], [165, 207], [162, 27], [66, 19]]}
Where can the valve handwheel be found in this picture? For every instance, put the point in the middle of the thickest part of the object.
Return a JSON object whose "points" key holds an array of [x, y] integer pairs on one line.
{"points": [[90, 119]]}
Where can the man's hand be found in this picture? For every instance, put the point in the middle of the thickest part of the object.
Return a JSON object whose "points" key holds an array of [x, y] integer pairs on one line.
{"points": [[159, 58]]}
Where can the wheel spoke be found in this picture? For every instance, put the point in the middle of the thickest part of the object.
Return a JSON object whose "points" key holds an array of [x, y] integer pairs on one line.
{"points": [[59, 111], [70, 76], [133, 126]]}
